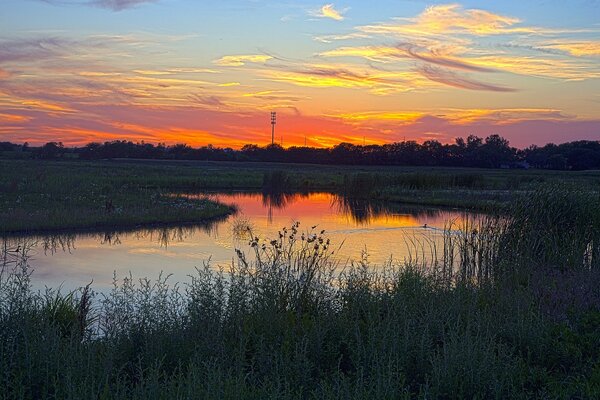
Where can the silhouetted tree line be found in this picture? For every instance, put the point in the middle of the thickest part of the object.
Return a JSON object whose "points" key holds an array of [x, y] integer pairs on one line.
{"points": [[491, 152]]}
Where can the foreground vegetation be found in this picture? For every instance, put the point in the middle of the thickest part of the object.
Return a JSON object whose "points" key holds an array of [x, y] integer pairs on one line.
{"points": [[506, 308], [46, 195]]}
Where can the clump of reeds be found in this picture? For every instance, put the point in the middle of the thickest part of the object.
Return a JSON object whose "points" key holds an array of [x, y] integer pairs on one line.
{"points": [[360, 185], [293, 271], [553, 227], [276, 181], [550, 228], [69, 313]]}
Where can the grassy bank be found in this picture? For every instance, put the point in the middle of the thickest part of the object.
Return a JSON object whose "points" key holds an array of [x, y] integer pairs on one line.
{"points": [[508, 309], [46, 195], [52, 196]]}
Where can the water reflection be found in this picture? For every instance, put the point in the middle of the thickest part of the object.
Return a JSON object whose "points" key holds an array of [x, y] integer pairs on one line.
{"points": [[163, 236], [74, 258], [52, 243], [363, 211]]}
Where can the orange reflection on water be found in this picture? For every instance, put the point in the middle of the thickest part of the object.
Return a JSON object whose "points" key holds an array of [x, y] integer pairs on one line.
{"points": [[383, 230], [332, 208]]}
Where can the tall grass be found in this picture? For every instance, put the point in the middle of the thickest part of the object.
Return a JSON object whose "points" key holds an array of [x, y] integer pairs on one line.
{"points": [[554, 227], [366, 183], [279, 322], [276, 181]]}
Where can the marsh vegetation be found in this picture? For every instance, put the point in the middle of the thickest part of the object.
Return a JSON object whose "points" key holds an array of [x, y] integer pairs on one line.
{"points": [[507, 307], [54, 195]]}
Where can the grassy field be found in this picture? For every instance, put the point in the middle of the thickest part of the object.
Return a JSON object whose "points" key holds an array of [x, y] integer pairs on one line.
{"points": [[47, 195], [53, 196], [510, 309]]}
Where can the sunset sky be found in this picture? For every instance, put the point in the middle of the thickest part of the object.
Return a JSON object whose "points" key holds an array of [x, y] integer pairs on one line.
{"points": [[199, 72]]}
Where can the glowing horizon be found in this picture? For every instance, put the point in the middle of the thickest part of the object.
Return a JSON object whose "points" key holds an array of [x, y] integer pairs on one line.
{"points": [[179, 71]]}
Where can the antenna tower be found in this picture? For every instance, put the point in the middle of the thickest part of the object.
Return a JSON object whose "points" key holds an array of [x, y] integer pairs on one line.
{"points": [[273, 122]]}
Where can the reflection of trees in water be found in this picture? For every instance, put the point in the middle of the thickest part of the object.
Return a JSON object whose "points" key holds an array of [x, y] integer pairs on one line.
{"points": [[363, 211], [50, 244], [65, 242], [53, 243], [167, 235], [271, 199], [280, 200], [163, 235], [111, 238]]}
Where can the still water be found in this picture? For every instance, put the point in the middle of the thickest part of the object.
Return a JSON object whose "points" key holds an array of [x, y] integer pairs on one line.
{"points": [[383, 231]]}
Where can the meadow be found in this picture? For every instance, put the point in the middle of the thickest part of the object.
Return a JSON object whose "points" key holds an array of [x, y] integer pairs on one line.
{"points": [[508, 307], [40, 195]]}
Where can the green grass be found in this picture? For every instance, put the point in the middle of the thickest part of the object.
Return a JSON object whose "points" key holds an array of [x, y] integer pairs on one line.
{"points": [[37, 196], [499, 312]]}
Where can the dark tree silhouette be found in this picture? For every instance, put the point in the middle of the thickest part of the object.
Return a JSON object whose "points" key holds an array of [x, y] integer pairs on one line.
{"points": [[491, 152]]}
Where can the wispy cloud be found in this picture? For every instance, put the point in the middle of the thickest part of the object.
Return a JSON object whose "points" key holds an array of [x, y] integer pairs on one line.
{"points": [[118, 5], [403, 50], [456, 116], [451, 18], [329, 11], [450, 36], [575, 48], [459, 81], [550, 67], [115, 5], [31, 49], [323, 76], [239, 60], [212, 101]]}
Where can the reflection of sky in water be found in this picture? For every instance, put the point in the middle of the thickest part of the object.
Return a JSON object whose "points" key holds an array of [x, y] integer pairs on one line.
{"points": [[384, 231]]}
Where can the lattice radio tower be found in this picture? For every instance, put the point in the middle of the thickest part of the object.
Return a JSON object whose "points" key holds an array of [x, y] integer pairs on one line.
{"points": [[273, 122]]}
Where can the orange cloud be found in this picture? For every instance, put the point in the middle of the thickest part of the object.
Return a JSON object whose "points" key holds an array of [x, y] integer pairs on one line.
{"points": [[381, 116], [4, 73], [46, 106], [13, 118], [455, 116], [500, 116], [322, 76]]}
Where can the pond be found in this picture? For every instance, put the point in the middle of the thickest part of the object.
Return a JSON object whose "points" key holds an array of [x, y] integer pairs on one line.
{"points": [[383, 231]]}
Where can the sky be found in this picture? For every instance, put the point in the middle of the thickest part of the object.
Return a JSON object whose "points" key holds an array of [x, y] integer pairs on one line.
{"points": [[364, 72]]}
